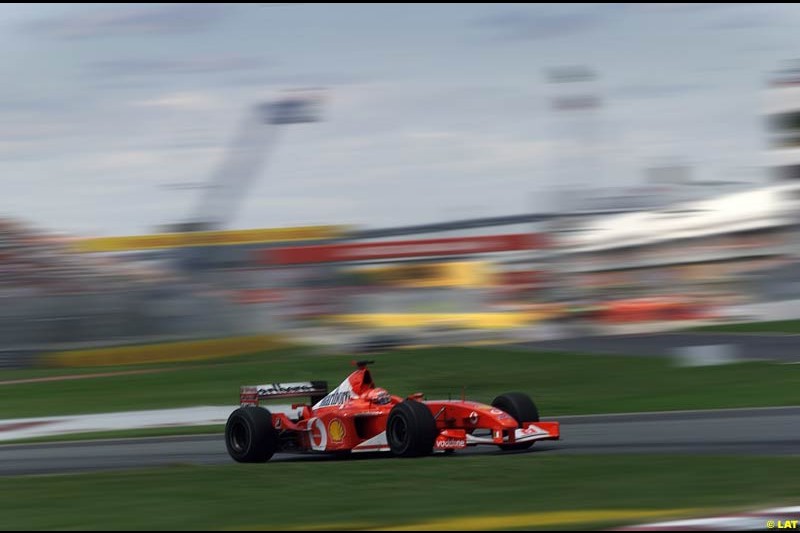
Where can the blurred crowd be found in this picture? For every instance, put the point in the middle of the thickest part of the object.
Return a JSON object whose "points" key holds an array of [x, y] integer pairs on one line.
{"points": [[36, 262]]}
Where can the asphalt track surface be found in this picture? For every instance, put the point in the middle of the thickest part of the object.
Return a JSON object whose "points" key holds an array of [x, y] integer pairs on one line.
{"points": [[762, 431], [744, 346]]}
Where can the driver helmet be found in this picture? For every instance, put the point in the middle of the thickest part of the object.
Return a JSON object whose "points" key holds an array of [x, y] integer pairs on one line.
{"points": [[379, 396]]}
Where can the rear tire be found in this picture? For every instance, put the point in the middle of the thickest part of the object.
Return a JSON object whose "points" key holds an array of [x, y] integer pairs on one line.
{"points": [[250, 436], [411, 429], [522, 409]]}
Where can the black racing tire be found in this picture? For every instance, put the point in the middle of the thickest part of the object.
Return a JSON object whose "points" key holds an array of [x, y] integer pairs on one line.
{"points": [[250, 436], [522, 409], [411, 429]]}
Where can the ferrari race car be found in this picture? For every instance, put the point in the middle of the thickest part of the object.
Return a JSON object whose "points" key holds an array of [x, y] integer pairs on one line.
{"points": [[357, 416]]}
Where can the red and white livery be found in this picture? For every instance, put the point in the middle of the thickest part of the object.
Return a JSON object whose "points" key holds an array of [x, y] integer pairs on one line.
{"points": [[357, 416]]}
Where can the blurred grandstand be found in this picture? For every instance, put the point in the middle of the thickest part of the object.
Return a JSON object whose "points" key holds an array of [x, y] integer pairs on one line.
{"points": [[53, 295], [661, 255]]}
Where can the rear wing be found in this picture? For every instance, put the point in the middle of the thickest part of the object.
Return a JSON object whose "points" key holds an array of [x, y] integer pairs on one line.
{"points": [[253, 394]]}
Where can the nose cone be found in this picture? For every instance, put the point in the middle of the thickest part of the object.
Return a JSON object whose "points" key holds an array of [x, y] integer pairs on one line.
{"points": [[499, 418], [507, 421]]}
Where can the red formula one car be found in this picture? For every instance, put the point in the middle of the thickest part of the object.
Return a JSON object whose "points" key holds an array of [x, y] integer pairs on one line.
{"points": [[357, 416]]}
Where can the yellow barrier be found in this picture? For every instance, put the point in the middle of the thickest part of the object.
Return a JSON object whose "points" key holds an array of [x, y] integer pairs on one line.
{"points": [[206, 238], [498, 320], [443, 274], [166, 352]]}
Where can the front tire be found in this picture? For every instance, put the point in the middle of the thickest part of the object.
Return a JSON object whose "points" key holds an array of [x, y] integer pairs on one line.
{"points": [[522, 409], [411, 429], [250, 436]]}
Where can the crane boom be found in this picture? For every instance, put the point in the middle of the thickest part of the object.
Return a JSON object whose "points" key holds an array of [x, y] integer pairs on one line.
{"points": [[257, 135]]}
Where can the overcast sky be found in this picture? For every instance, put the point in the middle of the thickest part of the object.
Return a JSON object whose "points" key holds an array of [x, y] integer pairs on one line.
{"points": [[433, 112]]}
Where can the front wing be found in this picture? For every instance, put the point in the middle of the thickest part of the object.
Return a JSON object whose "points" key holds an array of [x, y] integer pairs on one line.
{"points": [[454, 439], [531, 431]]}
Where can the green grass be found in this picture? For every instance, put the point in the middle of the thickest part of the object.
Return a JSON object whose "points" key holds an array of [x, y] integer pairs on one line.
{"points": [[45, 372], [777, 326], [125, 434], [560, 383], [33, 373], [380, 492]]}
